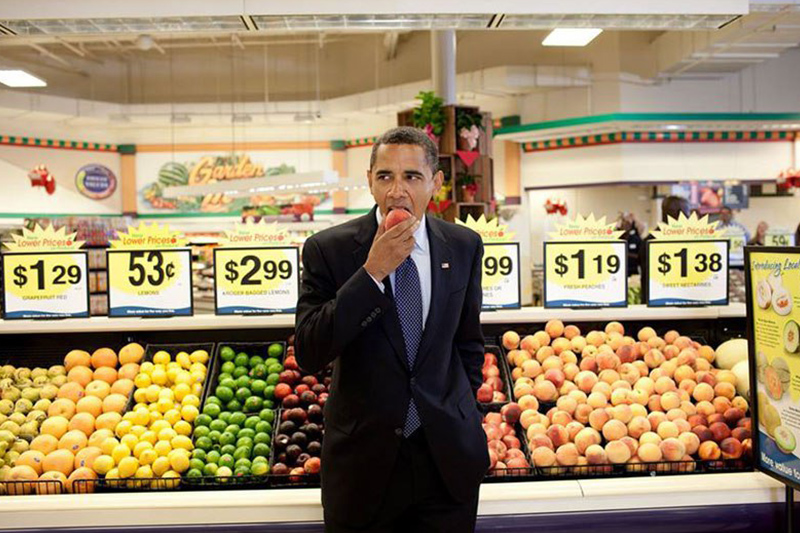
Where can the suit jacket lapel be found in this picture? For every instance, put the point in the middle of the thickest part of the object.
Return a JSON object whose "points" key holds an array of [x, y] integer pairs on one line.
{"points": [[390, 323], [441, 255]]}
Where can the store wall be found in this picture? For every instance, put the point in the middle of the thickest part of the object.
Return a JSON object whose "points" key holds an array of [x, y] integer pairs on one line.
{"points": [[606, 201], [357, 167], [778, 212], [578, 166], [20, 197]]}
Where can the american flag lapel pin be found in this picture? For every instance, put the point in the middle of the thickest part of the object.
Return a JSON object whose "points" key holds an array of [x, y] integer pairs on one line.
{"points": [[445, 266]]}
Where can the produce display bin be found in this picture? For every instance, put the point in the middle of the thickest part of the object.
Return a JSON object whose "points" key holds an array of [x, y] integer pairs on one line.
{"points": [[505, 374]]}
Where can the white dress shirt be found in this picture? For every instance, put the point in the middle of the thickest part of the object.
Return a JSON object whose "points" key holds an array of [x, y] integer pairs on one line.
{"points": [[421, 255]]}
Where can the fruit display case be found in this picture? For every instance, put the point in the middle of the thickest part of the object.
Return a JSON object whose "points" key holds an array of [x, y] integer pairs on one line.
{"points": [[710, 500]]}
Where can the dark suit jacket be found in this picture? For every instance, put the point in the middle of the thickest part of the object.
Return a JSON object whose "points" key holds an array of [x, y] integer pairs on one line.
{"points": [[342, 316]]}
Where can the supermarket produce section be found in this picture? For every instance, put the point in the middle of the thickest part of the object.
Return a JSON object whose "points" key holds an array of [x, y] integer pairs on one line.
{"points": [[206, 422]]}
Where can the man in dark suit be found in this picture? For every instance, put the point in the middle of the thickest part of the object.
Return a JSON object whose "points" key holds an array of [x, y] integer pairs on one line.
{"points": [[397, 311]]}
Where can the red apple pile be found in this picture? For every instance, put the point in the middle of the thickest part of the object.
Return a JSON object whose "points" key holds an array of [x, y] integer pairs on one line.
{"points": [[624, 400], [492, 388], [505, 448], [298, 444]]}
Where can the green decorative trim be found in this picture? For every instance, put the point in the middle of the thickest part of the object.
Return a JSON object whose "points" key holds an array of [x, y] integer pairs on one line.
{"points": [[360, 143], [507, 122], [15, 140], [657, 137], [59, 215], [126, 149], [646, 117], [338, 145]]}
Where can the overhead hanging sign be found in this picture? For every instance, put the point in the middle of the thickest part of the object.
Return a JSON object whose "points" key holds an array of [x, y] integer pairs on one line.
{"points": [[687, 264], [96, 181], [585, 265], [501, 275], [773, 300], [149, 274], [256, 271], [45, 275]]}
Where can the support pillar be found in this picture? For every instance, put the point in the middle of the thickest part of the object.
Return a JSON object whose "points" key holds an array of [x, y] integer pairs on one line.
{"points": [[443, 64], [513, 173]]}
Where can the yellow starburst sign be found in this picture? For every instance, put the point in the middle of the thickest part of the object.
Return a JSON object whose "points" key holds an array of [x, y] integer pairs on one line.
{"points": [[688, 228], [146, 236], [489, 230], [44, 239], [255, 234], [586, 229]]}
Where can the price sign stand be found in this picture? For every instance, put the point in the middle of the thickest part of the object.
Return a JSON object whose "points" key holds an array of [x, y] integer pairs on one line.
{"points": [[256, 280], [150, 283], [501, 276], [45, 285], [591, 274], [688, 273], [772, 277]]}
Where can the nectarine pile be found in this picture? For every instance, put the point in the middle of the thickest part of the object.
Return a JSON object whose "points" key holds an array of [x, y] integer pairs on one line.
{"points": [[611, 398], [505, 448], [492, 389]]}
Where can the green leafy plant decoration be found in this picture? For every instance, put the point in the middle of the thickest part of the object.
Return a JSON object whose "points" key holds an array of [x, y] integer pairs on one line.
{"points": [[465, 119], [430, 111]]}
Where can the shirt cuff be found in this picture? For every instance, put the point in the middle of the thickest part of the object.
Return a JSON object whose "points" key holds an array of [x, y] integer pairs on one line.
{"points": [[377, 282]]}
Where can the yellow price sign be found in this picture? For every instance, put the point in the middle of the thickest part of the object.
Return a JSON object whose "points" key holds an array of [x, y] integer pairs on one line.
{"points": [[256, 280], [500, 279], [149, 282], [585, 274], [689, 273], [45, 285]]}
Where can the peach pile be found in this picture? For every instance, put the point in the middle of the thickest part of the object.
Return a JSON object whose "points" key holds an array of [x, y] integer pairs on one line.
{"points": [[620, 399], [492, 388], [505, 449]]}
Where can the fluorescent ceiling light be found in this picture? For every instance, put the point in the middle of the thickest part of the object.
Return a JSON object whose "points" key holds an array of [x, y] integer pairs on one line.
{"points": [[20, 78], [571, 36]]}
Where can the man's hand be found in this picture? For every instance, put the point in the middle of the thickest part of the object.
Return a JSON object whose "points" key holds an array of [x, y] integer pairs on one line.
{"points": [[390, 248]]}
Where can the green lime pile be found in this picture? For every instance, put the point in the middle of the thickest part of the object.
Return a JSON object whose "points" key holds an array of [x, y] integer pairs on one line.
{"points": [[230, 443], [233, 433]]}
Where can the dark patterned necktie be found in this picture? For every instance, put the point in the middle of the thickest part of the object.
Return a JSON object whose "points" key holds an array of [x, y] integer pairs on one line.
{"points": [[408, 298]]}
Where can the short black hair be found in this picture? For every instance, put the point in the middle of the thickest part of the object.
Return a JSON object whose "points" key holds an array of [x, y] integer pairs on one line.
{"points": [[408, 135], [673, 206]]}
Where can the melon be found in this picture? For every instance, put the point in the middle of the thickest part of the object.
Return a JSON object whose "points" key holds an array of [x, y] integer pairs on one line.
{"points": [[742, 372], [731, 352], [772, 381], [82, 473], [791, 337]]}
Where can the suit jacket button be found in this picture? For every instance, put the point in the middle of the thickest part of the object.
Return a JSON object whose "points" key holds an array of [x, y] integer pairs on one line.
{"points": [[413, 382], [398, 432], [364, 324], [377, 310], [369, 319]]}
